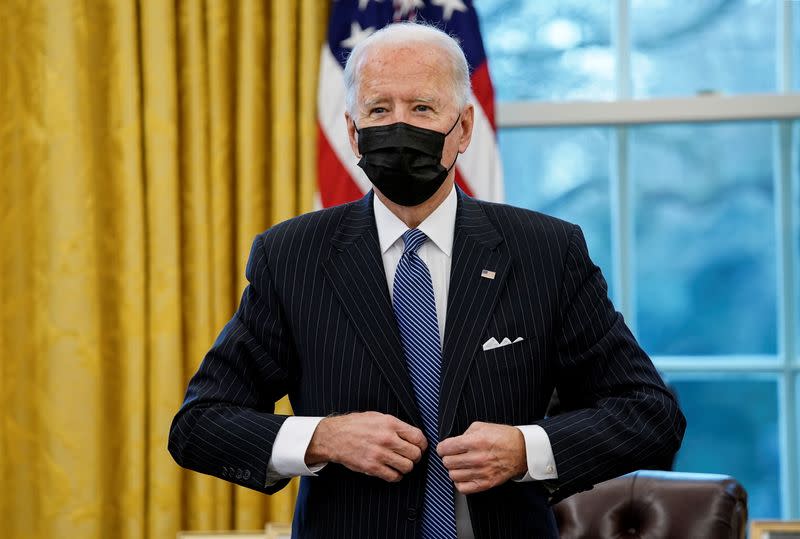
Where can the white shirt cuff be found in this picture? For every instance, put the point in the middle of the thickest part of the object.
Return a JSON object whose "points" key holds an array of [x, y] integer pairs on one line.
{"points": [[539, 453], [289, 450]]}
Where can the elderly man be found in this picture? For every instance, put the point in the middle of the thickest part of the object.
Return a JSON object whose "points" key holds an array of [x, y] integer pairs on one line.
{"points": [[419, 334]]}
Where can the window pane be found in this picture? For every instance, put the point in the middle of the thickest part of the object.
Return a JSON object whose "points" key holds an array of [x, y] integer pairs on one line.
{"points": [[732, 429], [564, 173], [795, 166], [552, 50], [681, 48], [796, 48], [705, 238], [796, 426]]}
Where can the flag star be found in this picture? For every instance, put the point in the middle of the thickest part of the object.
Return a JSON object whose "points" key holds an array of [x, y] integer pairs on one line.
{"points": [[362, 4], [357, 34], [404, 7], [449, 6]]}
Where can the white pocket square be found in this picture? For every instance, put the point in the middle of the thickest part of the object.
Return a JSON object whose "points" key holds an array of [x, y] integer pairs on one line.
{"points": [[492, 343]]}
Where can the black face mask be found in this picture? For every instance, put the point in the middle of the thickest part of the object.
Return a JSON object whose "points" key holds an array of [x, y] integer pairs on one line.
{"points": [[403, 161]]}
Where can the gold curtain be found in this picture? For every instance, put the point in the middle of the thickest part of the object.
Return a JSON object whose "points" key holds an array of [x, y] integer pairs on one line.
{"points": [[142, 146]]}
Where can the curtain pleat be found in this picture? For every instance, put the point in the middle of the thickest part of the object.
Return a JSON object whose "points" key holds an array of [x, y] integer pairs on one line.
{"points": [[122, 265], [283, 58], [164, 265], [312, 25], [220, 27], [143, 144], [23, 147]]}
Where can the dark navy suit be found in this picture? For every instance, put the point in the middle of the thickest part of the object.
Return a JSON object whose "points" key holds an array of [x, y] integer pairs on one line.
{"points": [[316, 322]]}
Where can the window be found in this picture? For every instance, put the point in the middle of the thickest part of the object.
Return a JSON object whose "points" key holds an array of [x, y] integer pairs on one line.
{"points": [[670, 132]]}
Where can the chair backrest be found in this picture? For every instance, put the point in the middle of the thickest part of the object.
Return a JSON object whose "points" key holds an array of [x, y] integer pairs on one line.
{"points": [[655, 504]]}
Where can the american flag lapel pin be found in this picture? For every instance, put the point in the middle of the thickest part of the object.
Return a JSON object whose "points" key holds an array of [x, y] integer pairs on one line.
{"points": [[486, 274]]}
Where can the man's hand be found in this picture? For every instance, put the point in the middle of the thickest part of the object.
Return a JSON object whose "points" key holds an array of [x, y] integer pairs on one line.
{"points": [[372, 443], [485, 456]]}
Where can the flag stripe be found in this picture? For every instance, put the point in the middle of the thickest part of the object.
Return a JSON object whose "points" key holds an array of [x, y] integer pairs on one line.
{"points": [[483, 91], [335, 183]]}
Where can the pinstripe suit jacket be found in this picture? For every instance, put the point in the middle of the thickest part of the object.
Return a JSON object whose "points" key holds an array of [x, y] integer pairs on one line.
{"points": [[316, 322]]}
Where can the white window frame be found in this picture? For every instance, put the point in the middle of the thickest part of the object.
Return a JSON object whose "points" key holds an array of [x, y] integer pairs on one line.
{"points": [[783, 108]]}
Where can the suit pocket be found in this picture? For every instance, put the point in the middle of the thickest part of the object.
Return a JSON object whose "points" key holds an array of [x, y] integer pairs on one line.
{"points": [[502, 379], [516, 351]]}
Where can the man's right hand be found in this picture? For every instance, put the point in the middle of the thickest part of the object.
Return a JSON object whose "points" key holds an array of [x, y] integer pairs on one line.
{"points": [[372, 443]]}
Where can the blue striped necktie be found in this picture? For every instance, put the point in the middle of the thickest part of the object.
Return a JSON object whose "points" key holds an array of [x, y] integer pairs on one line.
{"points": [[415, 311]]}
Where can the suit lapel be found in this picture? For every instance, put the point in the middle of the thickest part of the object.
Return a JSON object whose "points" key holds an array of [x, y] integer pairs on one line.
{"points": [[471, 300], [355, 271]]}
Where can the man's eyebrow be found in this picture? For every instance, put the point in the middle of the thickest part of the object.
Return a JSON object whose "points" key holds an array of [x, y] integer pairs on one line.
{"points": [[424, 99], [419, 99], [374, 101]]}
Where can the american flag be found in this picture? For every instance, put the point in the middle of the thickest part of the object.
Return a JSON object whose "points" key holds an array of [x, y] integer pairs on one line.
{"points": [[478, 170]]}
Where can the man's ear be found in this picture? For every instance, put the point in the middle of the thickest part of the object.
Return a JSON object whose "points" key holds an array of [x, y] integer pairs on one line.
{"points": [[351, 134], [467, 121]]}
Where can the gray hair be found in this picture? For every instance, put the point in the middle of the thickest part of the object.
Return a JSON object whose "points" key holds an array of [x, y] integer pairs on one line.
{"points": [[404, 33]]}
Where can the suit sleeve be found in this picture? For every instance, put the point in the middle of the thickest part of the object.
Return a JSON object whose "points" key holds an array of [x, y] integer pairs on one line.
{"points": [[618, 415], [226, 426]]}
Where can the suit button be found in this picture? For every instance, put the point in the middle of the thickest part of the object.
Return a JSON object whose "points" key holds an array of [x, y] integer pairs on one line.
{"points": [[246, 475], [238, 473], [412, 513]]}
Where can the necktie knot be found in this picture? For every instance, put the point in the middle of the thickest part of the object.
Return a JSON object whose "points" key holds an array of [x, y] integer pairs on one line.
{"points": [[413, 239]]}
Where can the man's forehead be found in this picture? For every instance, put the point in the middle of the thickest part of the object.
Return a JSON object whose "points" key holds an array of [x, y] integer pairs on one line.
{"points": [[417, 74], [411, 55]]}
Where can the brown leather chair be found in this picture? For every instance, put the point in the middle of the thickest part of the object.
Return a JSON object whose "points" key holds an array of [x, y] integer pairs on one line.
{"points": [[659, 505]]}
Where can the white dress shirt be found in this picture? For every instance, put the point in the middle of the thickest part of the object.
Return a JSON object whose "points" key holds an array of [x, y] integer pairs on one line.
{"points": [[291, 443]]}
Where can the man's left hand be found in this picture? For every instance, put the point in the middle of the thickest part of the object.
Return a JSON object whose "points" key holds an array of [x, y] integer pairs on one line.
{"points": [[485, 456]]}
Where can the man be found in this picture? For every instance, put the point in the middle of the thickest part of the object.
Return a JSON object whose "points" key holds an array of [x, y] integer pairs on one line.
{"points": [[419, 334]]}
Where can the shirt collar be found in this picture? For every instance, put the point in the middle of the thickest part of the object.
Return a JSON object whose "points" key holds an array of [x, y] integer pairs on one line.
{"points": [[439, 226]]}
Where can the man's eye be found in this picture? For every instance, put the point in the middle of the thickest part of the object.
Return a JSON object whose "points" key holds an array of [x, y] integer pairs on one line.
{"points": [[422, 108], [378, 110]]}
